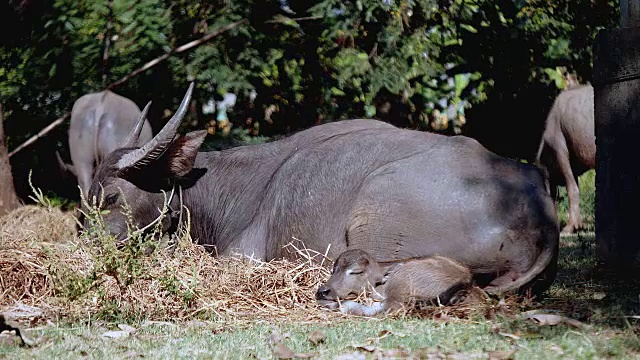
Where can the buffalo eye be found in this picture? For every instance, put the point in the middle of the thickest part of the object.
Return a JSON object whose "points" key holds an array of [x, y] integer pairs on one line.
{"points": [[111, 199]]}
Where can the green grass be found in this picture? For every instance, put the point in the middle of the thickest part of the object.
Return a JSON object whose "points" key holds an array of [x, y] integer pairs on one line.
{"points": [[200, 342]]}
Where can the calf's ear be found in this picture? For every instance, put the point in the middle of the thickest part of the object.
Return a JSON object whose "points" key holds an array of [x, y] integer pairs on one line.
{"points": [[181, 154], [363, 262], [388, 271]]}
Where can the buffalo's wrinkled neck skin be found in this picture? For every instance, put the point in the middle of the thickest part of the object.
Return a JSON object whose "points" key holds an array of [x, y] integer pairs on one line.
{"points": [[225, 200]]}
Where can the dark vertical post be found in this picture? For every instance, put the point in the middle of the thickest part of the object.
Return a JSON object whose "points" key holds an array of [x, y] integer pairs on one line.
{"points": [[629, 13], [616, 81], [624, 13]]}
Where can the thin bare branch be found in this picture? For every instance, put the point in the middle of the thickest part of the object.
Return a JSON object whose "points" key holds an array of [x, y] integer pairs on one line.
{"points": [[40, 134], [177, 50], [124, 79]]}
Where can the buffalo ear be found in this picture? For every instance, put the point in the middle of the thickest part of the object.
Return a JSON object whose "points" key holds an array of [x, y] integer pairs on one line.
{"points": [[181, 154]]}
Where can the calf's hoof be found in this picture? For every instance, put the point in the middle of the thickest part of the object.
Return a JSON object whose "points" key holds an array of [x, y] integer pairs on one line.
{"points": [[328, 304]]}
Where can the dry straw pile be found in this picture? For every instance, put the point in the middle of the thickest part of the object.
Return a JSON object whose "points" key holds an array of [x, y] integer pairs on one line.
{"points": [[47, 271], [26, 237], [44, 264]]}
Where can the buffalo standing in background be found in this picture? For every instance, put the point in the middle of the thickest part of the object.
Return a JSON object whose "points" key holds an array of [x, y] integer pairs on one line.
{"points": [[568, 147], [100, 123]]}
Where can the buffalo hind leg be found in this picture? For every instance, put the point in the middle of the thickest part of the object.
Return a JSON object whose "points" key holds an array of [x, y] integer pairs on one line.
{"points": [[574, 220], [503, 280]]}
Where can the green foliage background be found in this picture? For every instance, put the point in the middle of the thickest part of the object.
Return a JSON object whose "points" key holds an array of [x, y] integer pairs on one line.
{"points": [[406, 62]]}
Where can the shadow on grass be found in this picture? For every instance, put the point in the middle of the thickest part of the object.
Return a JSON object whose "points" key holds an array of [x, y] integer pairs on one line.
{"points": [[589, 293]]}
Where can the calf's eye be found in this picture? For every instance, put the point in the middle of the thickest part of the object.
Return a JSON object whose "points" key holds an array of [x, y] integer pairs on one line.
{"points": [[111, 199]]}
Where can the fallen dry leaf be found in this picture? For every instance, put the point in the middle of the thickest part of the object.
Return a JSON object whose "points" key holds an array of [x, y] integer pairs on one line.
{"points": [[551, 319], [23, 312], [133, 354], [388, 332], [280, 351], [557, 349], [125, 331], [316, 337], [429, 353], [512, 336], [151, 322], [489, 313], [196, 323], [500, 355], [465, 356], [304, 355], [530, 335], [353, 356], [116, 334], [606, 334], [441, 318], [35, 321], [276, 338], [367, 348], [127, 328], [396, 354], [383, 334], [546, 319]]}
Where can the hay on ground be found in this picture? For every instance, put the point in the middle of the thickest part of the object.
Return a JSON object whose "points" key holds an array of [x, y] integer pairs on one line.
{"points": [[43, 266], [41, 263], [31, 223]]}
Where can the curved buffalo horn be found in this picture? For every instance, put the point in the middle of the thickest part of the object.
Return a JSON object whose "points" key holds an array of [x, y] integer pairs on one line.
{"points": [[156, 147], [132, 138]]}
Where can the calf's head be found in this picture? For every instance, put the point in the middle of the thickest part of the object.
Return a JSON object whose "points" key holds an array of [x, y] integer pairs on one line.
{"points": [[353, 272], [138, 176]]}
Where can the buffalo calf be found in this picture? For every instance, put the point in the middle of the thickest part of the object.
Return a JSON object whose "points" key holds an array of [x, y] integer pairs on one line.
{"points": [[397, 283]]}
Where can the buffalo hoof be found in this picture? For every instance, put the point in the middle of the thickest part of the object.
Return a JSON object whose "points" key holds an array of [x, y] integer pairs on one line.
{"points": [[570, 229], [574, 223]]}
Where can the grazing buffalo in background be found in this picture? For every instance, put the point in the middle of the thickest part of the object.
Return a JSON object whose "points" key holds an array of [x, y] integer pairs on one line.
{"points": [[100, 122], [353, 184], [568, 147]]}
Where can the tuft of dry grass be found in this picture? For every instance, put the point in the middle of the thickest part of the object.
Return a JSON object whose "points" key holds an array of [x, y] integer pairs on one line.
{"points": [[32, 223], [27, 235], [43, 265]]}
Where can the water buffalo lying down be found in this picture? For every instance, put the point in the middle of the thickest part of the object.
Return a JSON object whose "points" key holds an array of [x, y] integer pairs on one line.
{"points": [[360, 184], [100, 123], [395, 283]]}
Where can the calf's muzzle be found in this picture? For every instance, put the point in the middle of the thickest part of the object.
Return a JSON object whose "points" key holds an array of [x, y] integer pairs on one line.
{"points": [[324, 293]]}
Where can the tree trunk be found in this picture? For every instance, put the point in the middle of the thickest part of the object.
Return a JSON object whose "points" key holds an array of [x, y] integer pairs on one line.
{"points": [[8, 198]]}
